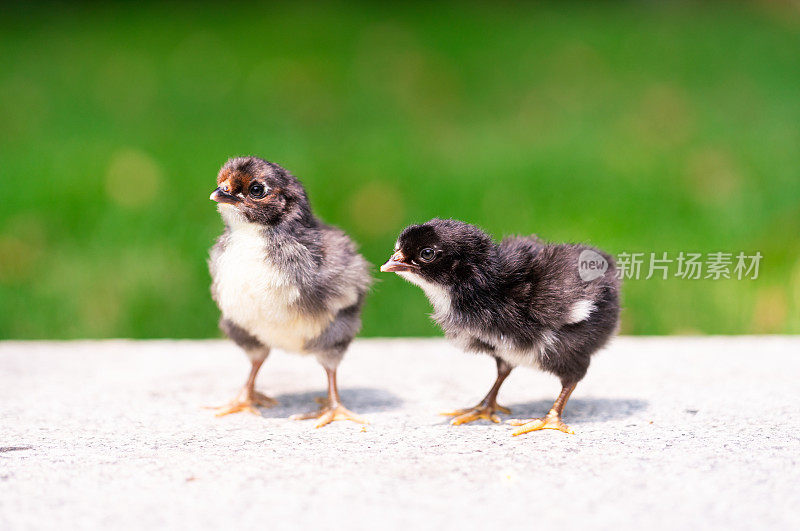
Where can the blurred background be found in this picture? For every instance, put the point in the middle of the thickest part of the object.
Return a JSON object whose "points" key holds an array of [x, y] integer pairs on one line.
{"points": [[637, 127]]}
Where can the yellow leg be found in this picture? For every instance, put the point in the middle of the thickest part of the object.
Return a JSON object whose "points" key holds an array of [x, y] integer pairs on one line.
{"points": [[245, 402], [331, 409], [553, 419], [248, 397], [488, 406]]}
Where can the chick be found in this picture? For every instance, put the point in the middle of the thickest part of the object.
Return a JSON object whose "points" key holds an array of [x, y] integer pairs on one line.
{"points": [[283, 279], [522, 301]]}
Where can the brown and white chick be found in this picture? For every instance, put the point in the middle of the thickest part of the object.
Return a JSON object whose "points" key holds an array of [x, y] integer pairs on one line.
{"points": [[283, 279]]}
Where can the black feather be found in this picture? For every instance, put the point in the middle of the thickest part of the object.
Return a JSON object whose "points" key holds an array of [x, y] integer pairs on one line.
{"points": [[519, 300]]}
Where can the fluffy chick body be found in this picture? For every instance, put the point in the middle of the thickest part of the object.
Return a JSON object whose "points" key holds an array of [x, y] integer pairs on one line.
{"points": [[287, 288], [529, 306], [281, 277], [522, 301]]}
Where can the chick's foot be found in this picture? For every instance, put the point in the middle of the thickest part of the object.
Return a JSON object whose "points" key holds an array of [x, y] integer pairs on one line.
{"points": [[328, 413], [551, 422], [481, 411], [246, 401]]}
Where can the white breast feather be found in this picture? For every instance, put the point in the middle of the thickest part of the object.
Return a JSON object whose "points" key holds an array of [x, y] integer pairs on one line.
{"points": [[438, 295], [257, 296]]}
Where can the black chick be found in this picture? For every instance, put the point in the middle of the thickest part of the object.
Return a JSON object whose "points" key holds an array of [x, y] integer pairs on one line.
{"points": [[282, 278], [522, 301]]}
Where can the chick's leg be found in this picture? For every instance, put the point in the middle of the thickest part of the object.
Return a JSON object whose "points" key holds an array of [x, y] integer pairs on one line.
{"points": [[248, 398], [332, 408], [488, 406], [553, 419]]}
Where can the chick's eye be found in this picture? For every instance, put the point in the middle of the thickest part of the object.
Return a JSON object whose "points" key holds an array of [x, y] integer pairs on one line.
{"points": [[427, 254], [257, 190]]}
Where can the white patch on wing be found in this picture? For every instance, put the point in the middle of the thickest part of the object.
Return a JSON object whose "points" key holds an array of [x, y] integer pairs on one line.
{"points": [[438, 295], [256, 294], [580, 311]]}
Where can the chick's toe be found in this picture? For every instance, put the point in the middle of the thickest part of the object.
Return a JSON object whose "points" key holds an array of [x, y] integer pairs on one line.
{"points": [[550, 422], [479, 412], [328, 414]]}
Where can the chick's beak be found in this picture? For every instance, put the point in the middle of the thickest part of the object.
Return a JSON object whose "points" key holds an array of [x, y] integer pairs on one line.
{"points": [[221, 196], [397, 263]]}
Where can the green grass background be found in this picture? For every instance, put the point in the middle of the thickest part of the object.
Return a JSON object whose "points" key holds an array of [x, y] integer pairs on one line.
{"points": [[639, 127]]}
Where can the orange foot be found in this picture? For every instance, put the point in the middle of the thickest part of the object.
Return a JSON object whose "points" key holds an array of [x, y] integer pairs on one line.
{"points": [[328, 413], [245, 402], [550, 422], [481, 411]]}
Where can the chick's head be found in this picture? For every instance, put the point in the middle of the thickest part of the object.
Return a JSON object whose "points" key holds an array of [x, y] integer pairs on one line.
{"points": [[257, 191], [441, 251]]}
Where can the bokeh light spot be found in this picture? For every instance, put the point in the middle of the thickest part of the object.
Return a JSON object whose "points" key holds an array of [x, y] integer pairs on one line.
{"points": [[377, 209], [16, 258], [770, 311], [127, 85], [712, 176], [664, 117], [22, 244], [133, 178], [101, 310]]}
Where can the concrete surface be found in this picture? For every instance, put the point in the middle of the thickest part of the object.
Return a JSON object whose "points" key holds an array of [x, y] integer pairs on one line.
{"points": [[670, 433]]}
